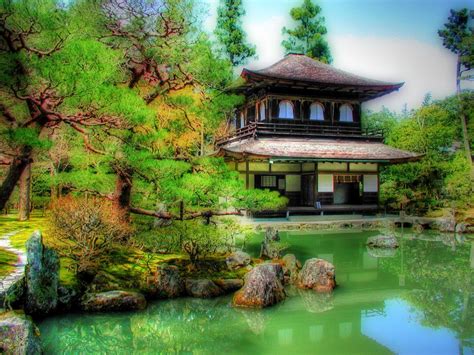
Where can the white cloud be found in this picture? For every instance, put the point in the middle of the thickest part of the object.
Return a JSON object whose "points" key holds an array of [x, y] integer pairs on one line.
{"points": [[422, 66], [266, 35]]}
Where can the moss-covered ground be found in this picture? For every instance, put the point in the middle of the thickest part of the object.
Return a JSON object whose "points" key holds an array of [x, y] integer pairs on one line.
{"points": [[130, 265], [7, 262]]}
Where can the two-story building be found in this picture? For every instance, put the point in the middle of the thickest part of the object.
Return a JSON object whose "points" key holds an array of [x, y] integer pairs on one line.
{"points": [[299, 132]]}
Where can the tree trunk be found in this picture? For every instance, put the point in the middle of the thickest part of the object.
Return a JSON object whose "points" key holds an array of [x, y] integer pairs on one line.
{"points": [[123, 191], [13, 175], [24, 203], [462, 114]]}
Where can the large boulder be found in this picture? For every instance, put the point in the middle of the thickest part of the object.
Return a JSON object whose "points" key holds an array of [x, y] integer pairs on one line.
{"points": [[167, 282], [229, 285], [291, 266], [42, 277], [382, 241], [237, 260], [202, 288], [318, 275], [113, 301], [18, 334], [263, 287]]}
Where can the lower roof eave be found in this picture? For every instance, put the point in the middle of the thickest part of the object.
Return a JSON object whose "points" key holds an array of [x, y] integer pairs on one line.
{"points": [[251, 156]]}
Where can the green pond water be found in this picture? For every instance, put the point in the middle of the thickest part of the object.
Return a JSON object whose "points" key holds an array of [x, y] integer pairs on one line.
{"points": [[417, 300]]}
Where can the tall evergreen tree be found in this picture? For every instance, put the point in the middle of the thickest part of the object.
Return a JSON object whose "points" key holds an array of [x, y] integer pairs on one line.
{"points": [[308, 37], [230, 34], [458, 37]]}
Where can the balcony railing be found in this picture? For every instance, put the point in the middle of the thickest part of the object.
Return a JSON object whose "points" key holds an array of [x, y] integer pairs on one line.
{"points": [[271, 129]]}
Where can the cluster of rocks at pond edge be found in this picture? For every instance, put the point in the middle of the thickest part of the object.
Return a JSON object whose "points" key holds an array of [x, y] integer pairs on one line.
{"points": [[18, 334], [262, 286]]}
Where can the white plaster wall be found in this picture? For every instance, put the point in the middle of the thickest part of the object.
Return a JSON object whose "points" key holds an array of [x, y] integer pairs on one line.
{"points": [[254, 166], [325, 183], [354, 167], [332, 166], [283, 167], [371, 183], [308, 167]]}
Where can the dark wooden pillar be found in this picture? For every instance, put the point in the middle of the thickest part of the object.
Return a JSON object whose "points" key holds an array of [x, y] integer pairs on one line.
{"points": [[247, 178]]}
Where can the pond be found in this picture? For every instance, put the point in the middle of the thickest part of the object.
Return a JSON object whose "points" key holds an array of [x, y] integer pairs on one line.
{"points": [[417, 300]]}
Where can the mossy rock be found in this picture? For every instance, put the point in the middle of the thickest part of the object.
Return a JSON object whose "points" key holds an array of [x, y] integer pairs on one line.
{"points": [[18, 334]]}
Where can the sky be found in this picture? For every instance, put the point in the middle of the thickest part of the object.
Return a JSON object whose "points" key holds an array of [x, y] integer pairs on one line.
{"points": [[391, 40]]}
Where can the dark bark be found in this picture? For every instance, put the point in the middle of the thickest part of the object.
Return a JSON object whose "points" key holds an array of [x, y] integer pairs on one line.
{"points": [[123, 191], [24, 203], [465, 136], [15, 170]]}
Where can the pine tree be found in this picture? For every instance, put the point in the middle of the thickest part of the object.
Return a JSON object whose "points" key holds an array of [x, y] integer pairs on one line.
{"points": [[458, 37], [230, 34], [308, 37]]}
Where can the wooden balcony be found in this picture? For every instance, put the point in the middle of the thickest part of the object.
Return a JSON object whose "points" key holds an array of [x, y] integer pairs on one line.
{"points": [[301, 130]]}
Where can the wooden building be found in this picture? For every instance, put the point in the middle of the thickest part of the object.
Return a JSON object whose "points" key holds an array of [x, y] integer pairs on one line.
{"points": [[299, 132]]}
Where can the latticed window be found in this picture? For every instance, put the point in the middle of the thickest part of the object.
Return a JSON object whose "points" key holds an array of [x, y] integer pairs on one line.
{"points": [[268, 181], [345, 113], [316, 112], [339, 179], [285, 109]]}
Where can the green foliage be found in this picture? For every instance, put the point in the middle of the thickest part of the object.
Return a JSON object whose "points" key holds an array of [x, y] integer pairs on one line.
{"points": [[442, 176], [230, 33], [458, 36], [195, 238], [308, 37]]}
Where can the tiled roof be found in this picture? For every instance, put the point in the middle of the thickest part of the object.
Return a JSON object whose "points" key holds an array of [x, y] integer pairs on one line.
{"points": [[318, 149], [299, 67]]}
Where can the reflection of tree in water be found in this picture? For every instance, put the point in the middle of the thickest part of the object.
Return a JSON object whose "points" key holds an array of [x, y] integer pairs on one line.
{"points": [[88, 335], [439, 269], [182, 325]]}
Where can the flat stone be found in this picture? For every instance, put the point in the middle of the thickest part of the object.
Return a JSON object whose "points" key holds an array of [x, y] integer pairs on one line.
{"points": [[116, 300]]}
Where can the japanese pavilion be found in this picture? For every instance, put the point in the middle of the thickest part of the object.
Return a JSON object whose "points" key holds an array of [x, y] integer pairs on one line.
{"points": [[299, 132]]}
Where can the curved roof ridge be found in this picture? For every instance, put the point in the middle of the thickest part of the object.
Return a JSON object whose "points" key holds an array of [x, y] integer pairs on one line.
{"points": [[303, 68]]}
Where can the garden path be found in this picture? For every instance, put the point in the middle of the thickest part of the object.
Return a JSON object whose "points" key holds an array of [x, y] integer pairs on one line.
{"points": [[7, 281]]}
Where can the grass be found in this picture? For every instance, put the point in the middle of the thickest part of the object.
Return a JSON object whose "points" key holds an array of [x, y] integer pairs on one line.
{"points": [[9, 223], [7, 262]]}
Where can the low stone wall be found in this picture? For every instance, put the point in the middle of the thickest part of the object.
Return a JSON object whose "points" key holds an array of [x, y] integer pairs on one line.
{"points": [[442, 224]]}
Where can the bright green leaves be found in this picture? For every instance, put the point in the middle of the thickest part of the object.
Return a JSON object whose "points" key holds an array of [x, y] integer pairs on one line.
{"points": [[25, 137], [442, 175], [308, 37]]}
